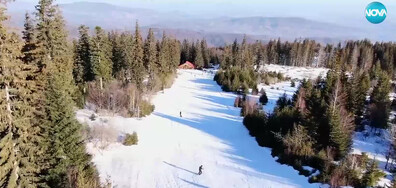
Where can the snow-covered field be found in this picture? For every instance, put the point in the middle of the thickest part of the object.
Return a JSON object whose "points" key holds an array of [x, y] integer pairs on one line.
{"points": [[297, 72], [210, 133]]}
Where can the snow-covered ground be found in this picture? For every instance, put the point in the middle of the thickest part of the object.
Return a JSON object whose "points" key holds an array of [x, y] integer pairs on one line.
{"points": [[210, 133], [273, 92], [375, 146], [297, 72]]}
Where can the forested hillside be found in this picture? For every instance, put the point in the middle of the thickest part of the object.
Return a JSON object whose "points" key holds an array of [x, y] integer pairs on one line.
{"points": [[315, 128], [45, 77]]}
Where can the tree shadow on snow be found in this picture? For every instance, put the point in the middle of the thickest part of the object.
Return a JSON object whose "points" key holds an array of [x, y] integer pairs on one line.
{"points": [[192, 183], [221, 120], [180, 168]]}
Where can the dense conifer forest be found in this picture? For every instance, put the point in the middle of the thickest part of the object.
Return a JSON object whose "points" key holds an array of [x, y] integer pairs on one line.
{"points": [[315, 127]]}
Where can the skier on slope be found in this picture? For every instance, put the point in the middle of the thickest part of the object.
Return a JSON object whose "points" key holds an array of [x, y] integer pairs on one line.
{"points": [[200, 170], [181, 114]]}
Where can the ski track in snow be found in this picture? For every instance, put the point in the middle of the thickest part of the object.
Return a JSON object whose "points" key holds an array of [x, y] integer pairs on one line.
{"points": [[171, 148]]}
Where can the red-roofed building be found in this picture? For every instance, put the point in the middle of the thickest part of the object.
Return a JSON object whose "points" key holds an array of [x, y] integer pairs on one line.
{"points": [[187, 65]]}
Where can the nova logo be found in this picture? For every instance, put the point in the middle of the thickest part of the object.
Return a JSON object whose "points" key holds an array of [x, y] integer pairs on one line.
{"points": [[376, 12]]}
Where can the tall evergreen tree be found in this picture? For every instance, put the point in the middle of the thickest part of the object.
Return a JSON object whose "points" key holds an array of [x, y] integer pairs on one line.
{"points": [[357, 91], [175, 58], [19, 134], [101, 64], [245, 54], [380, 102], [185, 51], [123, 53], [29, 37], [82, 64], [150, 53], [117, 51], [163, 55], [199, 60], [65, 150], [137, 65], [339, 120], [205, 53]]}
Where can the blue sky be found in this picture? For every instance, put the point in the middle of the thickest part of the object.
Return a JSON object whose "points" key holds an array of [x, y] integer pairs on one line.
{"points": [[343, 12]]}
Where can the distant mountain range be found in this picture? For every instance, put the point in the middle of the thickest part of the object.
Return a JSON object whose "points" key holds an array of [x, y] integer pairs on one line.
{"points": [[217, 31]]}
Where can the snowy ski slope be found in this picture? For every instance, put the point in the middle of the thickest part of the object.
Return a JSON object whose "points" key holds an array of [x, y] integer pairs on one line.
{"points": [[171, 148]]}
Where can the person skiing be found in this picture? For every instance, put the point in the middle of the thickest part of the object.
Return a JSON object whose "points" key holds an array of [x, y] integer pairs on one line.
{"points": [[200, 170], [181, 114]]}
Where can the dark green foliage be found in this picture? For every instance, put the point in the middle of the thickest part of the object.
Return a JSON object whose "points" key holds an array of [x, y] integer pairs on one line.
{"points": [[205, 53], [100, 56], [150, 58], [118, 45], [283, 120], [83, 66], [62, 133], [131, 139], [380, 102], [136, 68], [236, 79], [263, 98], [357, 91], [29, 36], [199, 59], [313, 129], [185, 52], [372, 175], [282, 102], [255, 123], [20, 133], [339, 139], [65, 148]]}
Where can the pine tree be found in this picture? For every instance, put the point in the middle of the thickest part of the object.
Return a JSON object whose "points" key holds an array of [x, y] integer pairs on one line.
{"points": [[372, 175], [163, 54], [205, 53], [185, 52], [150, 58], [226, 59], [263, 98], [150, 53], [339, 121], [101, 64], [137, 66], [125, 57], [117, 54], [246, 55], [339, 140], [235, 57], [29, 37], [19, 133], [62, 137], [199, 60], [380, 102], [175, 56], [357, 91], [259, 57], [83, 69]]}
